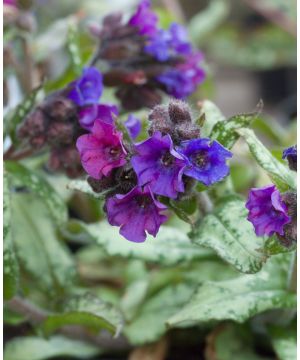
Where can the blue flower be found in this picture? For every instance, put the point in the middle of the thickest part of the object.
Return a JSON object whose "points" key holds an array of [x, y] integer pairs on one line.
{"points": [[88, 88], [183, 79], [205, 159]]}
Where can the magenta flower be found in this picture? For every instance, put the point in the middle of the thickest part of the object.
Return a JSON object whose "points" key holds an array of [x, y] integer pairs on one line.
{"points": [[206, 160], [88, 88], [88, 115], [133, 125], [102, 150], [136, 212], [157, 164], [183, 79], [145, 20], [267, 212], [10, 2]]}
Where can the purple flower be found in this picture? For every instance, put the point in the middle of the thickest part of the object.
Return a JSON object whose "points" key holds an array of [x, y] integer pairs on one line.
{"points": [[267, 212], [88, 88], [169, 42], [144, 19], [159, 46], [88, 115], [206, 160], [291, 155], [183, 79], [179, 39], [102, 150], [133, 125], [157, 163], [136, 212]]}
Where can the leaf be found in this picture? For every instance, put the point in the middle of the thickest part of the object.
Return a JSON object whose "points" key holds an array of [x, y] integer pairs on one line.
{"points": [[231, 341], [41, 187], [272, 246], [281, 175], [10, 264], [170, 246], [225, 131], [212, 114], [284, 341], [83, 186], [37, 247], [205, 22], [241, 298], [36, 348], [86, 310], [21, 111], [149, 325], [231, 235], [73, 45]]}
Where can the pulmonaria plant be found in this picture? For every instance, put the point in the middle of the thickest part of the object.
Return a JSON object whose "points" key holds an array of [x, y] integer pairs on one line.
{"points": [[144, 60], [62, 117], [135, 177]]}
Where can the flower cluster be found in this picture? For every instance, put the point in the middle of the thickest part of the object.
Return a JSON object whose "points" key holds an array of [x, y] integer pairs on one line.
{"points": [[62, 117], [144, 59], [136, 177], [273, 213]]}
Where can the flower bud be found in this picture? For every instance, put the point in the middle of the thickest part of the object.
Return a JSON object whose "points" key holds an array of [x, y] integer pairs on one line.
{"points": [[290, 229], [59, 108], [66, 159]]}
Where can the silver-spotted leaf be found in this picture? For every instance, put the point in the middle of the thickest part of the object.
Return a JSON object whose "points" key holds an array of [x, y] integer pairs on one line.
{"points": [[36, 348], [241, 298], [86, 310], [231, 235], [40, 186], [281, 175]]}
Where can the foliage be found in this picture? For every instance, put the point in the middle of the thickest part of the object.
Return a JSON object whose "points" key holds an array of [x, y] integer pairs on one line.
{"points": [[74, 287]]}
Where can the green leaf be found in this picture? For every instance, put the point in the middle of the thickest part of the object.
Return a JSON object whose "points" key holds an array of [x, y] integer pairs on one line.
{"points": [[284, 341], [241, 298], [231, 341], [86, 310], [170, 246], [225, 131], [35, 348], [73, 45], [212, 114], [281, 175], [83, 186], [149, 325], [228, 232], [272, 246], [21, 111], [39, 251], [10, 264], [41, 187]]}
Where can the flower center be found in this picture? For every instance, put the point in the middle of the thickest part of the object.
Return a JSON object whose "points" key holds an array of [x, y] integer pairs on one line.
{"points": [[167, 159], [200, 159], [114, 153], [143, 201]]}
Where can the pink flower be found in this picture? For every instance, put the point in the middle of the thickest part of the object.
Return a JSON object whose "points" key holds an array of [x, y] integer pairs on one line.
{"points": [[102, 150]]}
